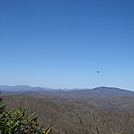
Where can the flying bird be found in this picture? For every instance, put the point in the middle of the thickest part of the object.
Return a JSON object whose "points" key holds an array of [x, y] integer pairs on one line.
{"points": [[98, 72]]}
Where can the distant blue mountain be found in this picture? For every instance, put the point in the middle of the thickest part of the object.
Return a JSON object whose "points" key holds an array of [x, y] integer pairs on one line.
{"points": [[19, 88], [99, 92], [27, 88]]}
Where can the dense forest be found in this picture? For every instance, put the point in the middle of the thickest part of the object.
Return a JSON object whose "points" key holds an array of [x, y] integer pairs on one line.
{"points": [[79, 116]]}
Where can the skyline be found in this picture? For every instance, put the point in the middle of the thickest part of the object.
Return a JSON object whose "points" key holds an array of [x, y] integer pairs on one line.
{"points": [[62, 44]]}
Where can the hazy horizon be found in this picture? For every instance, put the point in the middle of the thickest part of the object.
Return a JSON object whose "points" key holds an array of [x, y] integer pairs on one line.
{"points": [[75, 88], [67, 44]]}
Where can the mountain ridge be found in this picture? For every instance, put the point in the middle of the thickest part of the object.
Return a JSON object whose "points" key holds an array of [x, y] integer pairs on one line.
{"points": [[29, 88], [98, 92]]}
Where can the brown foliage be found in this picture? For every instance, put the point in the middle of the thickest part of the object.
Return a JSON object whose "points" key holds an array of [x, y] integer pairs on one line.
{"points": [[78, 116]]}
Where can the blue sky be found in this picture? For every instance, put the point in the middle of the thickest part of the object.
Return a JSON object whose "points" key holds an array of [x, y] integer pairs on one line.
{"points": [[62, 43]]}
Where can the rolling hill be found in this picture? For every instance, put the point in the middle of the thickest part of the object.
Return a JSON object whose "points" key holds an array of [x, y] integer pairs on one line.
{"points": [[99, 92], [102, 110], [82, 116]]}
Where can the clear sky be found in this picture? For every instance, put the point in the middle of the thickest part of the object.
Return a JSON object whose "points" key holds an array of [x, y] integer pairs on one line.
{"points": [[63, 43]]}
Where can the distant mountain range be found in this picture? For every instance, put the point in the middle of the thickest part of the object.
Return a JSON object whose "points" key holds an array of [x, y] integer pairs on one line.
{"points": [[26, 88], [99, 92], [21, 88]]}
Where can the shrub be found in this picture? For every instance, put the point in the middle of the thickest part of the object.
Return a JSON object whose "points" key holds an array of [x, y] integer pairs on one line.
{"points": [[18, 121]]}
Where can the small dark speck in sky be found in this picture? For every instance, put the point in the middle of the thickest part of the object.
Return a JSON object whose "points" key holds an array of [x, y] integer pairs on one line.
{"points": [[98, 71]]}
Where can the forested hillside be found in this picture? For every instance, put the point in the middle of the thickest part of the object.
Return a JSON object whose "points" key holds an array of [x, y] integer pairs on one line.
{"points": [[80, 116]]}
